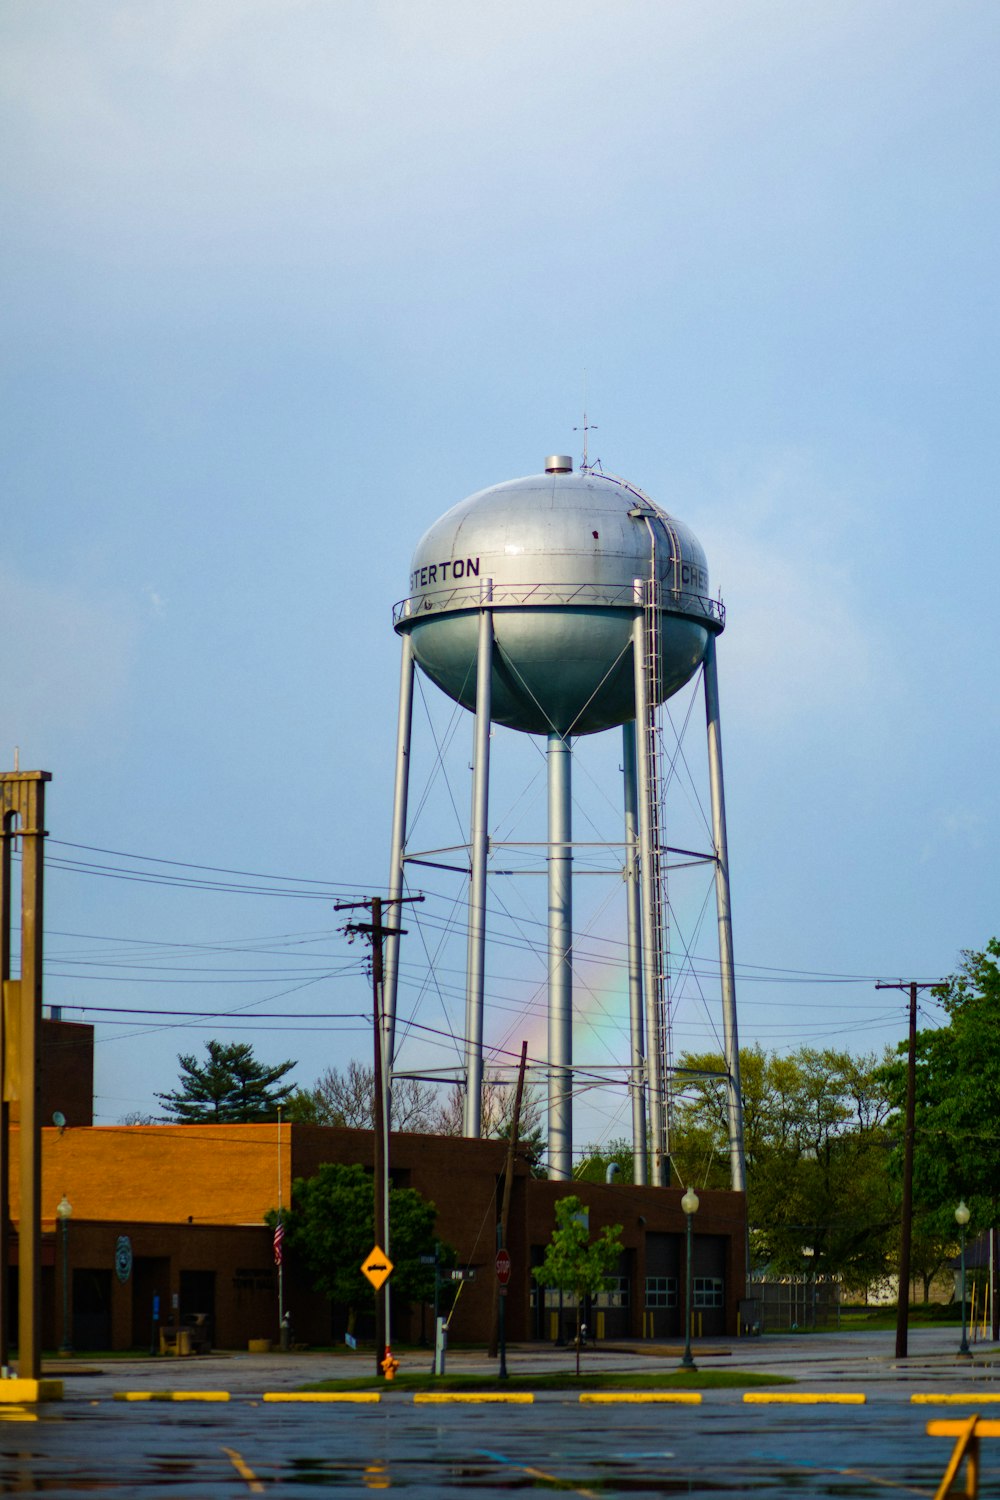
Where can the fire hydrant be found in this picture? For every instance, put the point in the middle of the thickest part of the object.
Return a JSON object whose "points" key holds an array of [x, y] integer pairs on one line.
{"points": [[389, 1365]]}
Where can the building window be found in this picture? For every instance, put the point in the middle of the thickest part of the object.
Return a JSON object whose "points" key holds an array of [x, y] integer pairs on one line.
{"points": [[661, 1291], [616, 1294], [708, 1291]]}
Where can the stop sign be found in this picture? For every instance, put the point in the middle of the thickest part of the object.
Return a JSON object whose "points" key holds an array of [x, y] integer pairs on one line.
{"points": [[503, 1267]]}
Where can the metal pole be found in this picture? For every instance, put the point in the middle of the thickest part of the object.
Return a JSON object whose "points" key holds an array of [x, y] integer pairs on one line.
{"points": [[67, 1346], [633, 907], [560, 890], [730, 1035], [687, 1359], [963, 1347], [398, 849], [479, 848], [653, 1037], [381, 1163]]}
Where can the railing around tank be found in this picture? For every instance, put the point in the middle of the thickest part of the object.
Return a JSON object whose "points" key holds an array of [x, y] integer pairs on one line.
{"points": [[555, 595]]}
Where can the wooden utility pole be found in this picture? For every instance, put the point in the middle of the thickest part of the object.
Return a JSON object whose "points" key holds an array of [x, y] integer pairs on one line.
{"points": [[508, 1185], [906, 1225], [22, 816], [376, 932]]}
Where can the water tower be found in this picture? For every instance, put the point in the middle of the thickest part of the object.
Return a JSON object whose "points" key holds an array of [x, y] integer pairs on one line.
{"points": [[559, 605]]}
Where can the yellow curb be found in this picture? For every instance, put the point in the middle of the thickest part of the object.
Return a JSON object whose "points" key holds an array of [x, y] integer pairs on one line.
{"points": [[23, 1392], [609, 1398], [439, 1398], [171, 1395], [974, 1398], [322, 1396], [803, 1398]]}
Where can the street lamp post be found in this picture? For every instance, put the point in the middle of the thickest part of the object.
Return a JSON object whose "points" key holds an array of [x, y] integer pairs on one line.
{"points": [[64, 1212], [689, 1203], [962, 1217]]}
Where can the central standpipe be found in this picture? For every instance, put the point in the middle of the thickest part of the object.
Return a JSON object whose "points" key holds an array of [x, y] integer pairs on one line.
{"points": [[479, 851], [560, 864]]}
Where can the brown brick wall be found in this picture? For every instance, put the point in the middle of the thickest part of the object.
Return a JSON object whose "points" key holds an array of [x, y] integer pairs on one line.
{"points": [[193, 1198]]}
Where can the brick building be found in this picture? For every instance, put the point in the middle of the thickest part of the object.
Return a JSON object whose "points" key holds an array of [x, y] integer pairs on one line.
{"points": [[176, 1213]]}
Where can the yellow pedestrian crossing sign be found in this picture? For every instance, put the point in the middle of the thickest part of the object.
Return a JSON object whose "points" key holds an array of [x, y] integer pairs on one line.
{"points": [[377, 1267]]}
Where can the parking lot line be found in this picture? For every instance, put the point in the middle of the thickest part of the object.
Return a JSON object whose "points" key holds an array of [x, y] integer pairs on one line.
{"points": [[611, 1398], [805, 1398]]}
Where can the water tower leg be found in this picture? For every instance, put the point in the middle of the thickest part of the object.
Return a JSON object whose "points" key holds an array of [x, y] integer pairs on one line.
{"points": [[560, 1149], [730, 1035], [390, 978], [479, 842], [652, 961], [633, 905]]}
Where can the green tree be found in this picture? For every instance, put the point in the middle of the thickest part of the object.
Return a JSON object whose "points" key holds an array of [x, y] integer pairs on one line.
{"points": [[231, 1085], [817, 1143], [331, 1226], [957, 1099], [574, 1262], [597, 1159]]}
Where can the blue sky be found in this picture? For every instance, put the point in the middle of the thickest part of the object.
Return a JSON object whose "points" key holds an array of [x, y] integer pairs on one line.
{"points": [[285, 281]]}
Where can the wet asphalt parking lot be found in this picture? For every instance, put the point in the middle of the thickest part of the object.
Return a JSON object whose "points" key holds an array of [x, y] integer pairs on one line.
{"points": [[92, 1443]]}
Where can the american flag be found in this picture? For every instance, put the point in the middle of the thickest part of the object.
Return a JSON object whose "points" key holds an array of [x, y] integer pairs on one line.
{"points": [[279, 1235]]}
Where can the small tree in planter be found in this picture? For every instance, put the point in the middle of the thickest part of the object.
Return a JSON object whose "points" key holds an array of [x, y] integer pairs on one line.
{"points": [[573, 1262]]}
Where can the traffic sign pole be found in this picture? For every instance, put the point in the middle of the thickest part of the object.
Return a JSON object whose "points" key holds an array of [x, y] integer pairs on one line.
{"points": [[503, 1276]]}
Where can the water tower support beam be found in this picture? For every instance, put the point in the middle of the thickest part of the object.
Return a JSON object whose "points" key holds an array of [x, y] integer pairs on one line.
{"points": [[397, 852], [730, 1035], [560, 1148], [479, 848], [633, 909]]}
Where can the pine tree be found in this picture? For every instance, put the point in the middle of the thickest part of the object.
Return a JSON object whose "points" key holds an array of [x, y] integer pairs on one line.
{"points": [[231, 1086]]}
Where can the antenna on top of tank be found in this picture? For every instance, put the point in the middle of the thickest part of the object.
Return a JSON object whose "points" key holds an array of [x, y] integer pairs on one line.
{"points": [[586, 428]]}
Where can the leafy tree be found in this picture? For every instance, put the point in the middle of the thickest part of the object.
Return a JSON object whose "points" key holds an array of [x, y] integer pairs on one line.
{"points": [[331, 1225], [957, 1100], [348, 1098], [230, 1086], [596, 1159], [574, 1262], [817, 1143]]}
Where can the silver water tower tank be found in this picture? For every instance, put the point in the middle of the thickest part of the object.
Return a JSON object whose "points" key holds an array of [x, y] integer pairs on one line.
{"points": [[563, 604]]}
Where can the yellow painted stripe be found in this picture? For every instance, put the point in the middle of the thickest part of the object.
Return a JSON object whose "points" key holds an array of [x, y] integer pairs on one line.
{"points": [[956, 1398], [944, 1428], [357, 1396], [610, 1398], [244, 1470], [171, 1395], [805, 1398], [439, 1398]]}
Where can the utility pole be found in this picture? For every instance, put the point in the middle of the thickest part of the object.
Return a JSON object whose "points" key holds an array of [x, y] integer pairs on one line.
{"points": [[508, 1186], [376, 933], [906, 1227]]}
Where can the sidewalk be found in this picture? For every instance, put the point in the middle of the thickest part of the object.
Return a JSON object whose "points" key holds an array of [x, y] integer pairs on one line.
{"points": [[857, 1361]]}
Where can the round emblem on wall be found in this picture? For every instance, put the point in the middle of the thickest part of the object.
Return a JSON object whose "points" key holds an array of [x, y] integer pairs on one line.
{"points": [[123, 1257]]}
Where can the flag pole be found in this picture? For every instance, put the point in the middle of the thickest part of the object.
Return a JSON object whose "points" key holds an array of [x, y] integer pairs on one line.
{"points": [[279, 1246]]}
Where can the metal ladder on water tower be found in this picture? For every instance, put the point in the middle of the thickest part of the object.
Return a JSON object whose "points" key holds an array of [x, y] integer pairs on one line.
{"points": [[657, 876]]}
